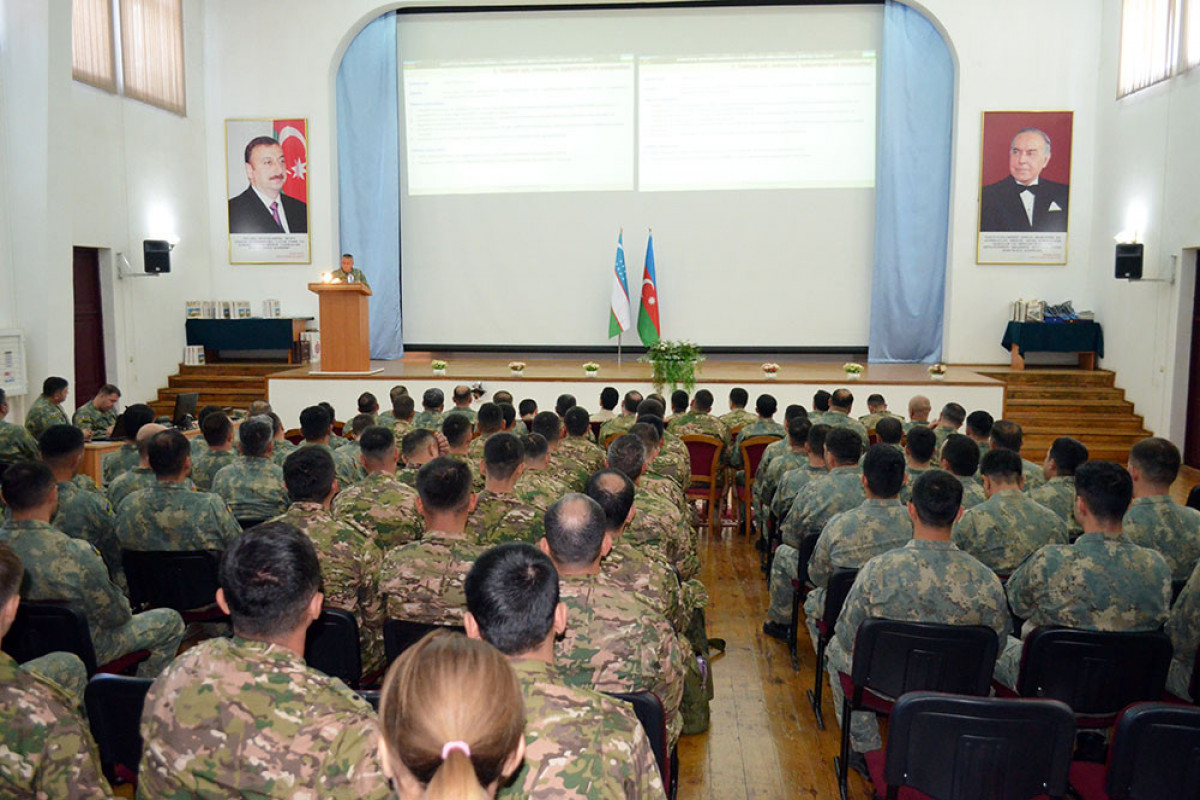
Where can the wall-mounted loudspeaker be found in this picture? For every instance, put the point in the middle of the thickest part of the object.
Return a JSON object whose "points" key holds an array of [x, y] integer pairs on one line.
{"points": [[1129, 261], [156, 256]]}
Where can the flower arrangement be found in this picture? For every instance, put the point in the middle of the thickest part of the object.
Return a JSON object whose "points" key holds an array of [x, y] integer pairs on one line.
{"points": [[851, 368], [937, 371], [516, 367], [673, 363], [439, 366], [770, 370], [591, 368]]}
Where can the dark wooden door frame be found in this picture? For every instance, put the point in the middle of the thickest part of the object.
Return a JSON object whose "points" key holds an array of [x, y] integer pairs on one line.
{"points": [[90, 367]]}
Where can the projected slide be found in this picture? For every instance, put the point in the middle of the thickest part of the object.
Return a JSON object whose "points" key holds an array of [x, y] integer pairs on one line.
{"points": [[504, 126], [789, 121]]}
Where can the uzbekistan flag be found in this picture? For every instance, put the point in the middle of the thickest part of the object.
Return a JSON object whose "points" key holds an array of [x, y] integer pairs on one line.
{"points": [[292, 137], [648, 328], [618, 318]]}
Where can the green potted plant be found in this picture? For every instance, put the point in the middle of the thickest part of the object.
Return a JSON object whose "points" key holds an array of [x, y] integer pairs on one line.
{"points": [[673, 363]]}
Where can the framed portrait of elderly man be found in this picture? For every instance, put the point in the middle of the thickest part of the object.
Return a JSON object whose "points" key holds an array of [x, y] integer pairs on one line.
{"points": [[1025, 187], [267, 185]]}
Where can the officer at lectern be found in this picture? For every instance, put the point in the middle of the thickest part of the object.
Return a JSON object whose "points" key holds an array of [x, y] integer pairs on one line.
{"points": [[348, 274]]}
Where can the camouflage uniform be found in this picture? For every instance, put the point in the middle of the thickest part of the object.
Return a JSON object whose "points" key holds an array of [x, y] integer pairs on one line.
{"points": [[349, 572], [252, 487], [169, 516], [58, 567], [129, 482], [16, 444], [466, 411], [475, 448], [660, 525], [790, 484], [839, 490], [673, 461], [87, 515], [65, 670], [700, 423], [1058, 495], [840, 419], [1184, 629], [473, 465], [566, 471], [401, 428], [47, 751], [911, 474], [208, 465], [851, 539], [92, 420], [337, 441], [1006, 528], [117, 463], [429, 420], [940, 434], [198, 447], [923, 581], [347, 465], [282, 449], [355, 275], [870, 421], [44, 414], [767, 479], [665, 488], [235, 718], [582, 452], [616, 643], [539, 487], [616, 426], [908, 426], [1096, 584], [637, 572], [1033, 473], [1171, 529], [737, 419], [579, 743], [972, 492], [384, 507], [499, 518], [407, 476], [423, 581], [760, 427]]}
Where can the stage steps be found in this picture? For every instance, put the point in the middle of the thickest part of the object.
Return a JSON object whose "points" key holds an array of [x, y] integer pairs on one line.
{"points": [[230, 384], [1084, 404]]}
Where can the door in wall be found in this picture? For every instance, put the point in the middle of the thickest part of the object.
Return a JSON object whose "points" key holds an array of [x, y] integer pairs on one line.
{"points": [[1191, 446], [90, 372]]}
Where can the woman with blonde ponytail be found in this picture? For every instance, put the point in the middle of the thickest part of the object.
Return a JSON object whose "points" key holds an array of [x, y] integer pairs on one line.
{"points": [[451, 720]]}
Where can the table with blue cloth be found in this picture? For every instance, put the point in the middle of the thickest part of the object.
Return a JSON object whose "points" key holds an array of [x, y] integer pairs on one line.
{"points": [[247, 339], [1084, 337]]}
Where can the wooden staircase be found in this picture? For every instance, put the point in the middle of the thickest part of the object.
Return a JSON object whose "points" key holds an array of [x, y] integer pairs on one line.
{"points": [[232, 385], [1086, 405]]}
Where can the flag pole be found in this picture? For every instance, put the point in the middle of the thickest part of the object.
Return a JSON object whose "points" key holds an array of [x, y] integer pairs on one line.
{"points": [[620, 332]]}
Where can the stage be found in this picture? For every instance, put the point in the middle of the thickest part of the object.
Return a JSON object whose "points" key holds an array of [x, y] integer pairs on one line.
{"points": [[547, 376]]}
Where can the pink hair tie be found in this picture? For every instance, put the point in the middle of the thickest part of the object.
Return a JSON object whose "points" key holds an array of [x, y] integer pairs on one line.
{"points": [[451, 746]]}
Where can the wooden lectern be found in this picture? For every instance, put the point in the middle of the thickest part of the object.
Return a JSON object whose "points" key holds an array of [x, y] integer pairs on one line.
{"points": [[345, 327]]}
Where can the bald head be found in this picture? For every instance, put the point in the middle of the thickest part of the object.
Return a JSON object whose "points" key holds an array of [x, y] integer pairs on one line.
{"points": [[919, 408], [575, 529], [145, 434]]}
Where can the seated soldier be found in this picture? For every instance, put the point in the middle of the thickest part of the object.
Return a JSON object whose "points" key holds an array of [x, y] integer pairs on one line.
{"points": [[673, 460], [60, 568], [316, 424], [282, 447], [624, 421], [948, 422], [1008, 527], [141, 476], [462, 397], [1183, 627], [403, 412], [48, 748], [700, 420], [379, 503], [430, 417], [764, 425], [1007, 434], [649, 429], [15, 442], [779, 447], [926, 580], [258, 408], [511, 423], [562, 468], [83, 512], [960, 457], [199, 444], [820, 406], [47, 409], [418, 447], [500, 515], [738, 416], [538, 485], [1058, 493], [854, 537], [390, 417], [578, 742], [918, 412], [489, 420], [244, 716], [423, 580], [615, 642], [528, 409], [252, 485], [349, 560], [1154, 519], [795, 457], [679, 404], [336, 440], [877, 410], [564, 403], [920, 449], [369, 405], [457, 430], [1103, 582], [97, 416], [217, 431], [347, 459], [576, 446], [169, 515], [609, 397], [841, 403], [890, 431], [979, 428], [127, 458], [790, 483], [657, 523]]}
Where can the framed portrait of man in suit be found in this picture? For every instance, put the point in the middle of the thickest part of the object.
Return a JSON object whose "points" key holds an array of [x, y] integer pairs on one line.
{"points": [[267, 187], [1024, 187]]}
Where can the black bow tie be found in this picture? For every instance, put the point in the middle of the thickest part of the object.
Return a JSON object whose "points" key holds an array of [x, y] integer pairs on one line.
{"points": [[1031, 189]]}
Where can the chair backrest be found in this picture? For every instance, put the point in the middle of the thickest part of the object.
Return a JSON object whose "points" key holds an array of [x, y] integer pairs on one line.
{"points": [[247, 524], [114, 707], [840, 583], [183, 580], [50, 626], [752, 453], [705, 454], [608, 440], [649, 711], [892, 657], [1155, 753], [400, 634], [595, 426], [331, 646], [1096, 673], [956, 747], [294, 435], [808, 544]]}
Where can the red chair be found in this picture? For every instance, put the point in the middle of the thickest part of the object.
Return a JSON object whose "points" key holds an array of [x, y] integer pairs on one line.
{"points": [[295, 436], [752, 453], [1155, 755], [596, 425], [705, 454]]}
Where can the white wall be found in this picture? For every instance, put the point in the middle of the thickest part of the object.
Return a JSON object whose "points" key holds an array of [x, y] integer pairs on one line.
{"points": [[1148, 166]]}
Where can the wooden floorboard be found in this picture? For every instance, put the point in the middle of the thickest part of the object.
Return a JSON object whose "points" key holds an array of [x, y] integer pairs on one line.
{"points": [[762, 741]]}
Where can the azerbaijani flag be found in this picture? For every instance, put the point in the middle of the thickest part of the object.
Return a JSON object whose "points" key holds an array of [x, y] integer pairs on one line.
{"points": [[648, 328], [292, 137], [618, 318]]}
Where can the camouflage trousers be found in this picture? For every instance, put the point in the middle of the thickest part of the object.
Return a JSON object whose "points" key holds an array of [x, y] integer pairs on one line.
{"points": [[814, 609], [160, 631], [1178, 679], [1008, 663], [64, 670], [783, 571], [864, 727]]}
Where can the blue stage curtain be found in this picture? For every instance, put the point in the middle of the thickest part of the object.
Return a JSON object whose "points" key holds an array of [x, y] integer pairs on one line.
{"points": [[368, 130], [912, 189]]}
